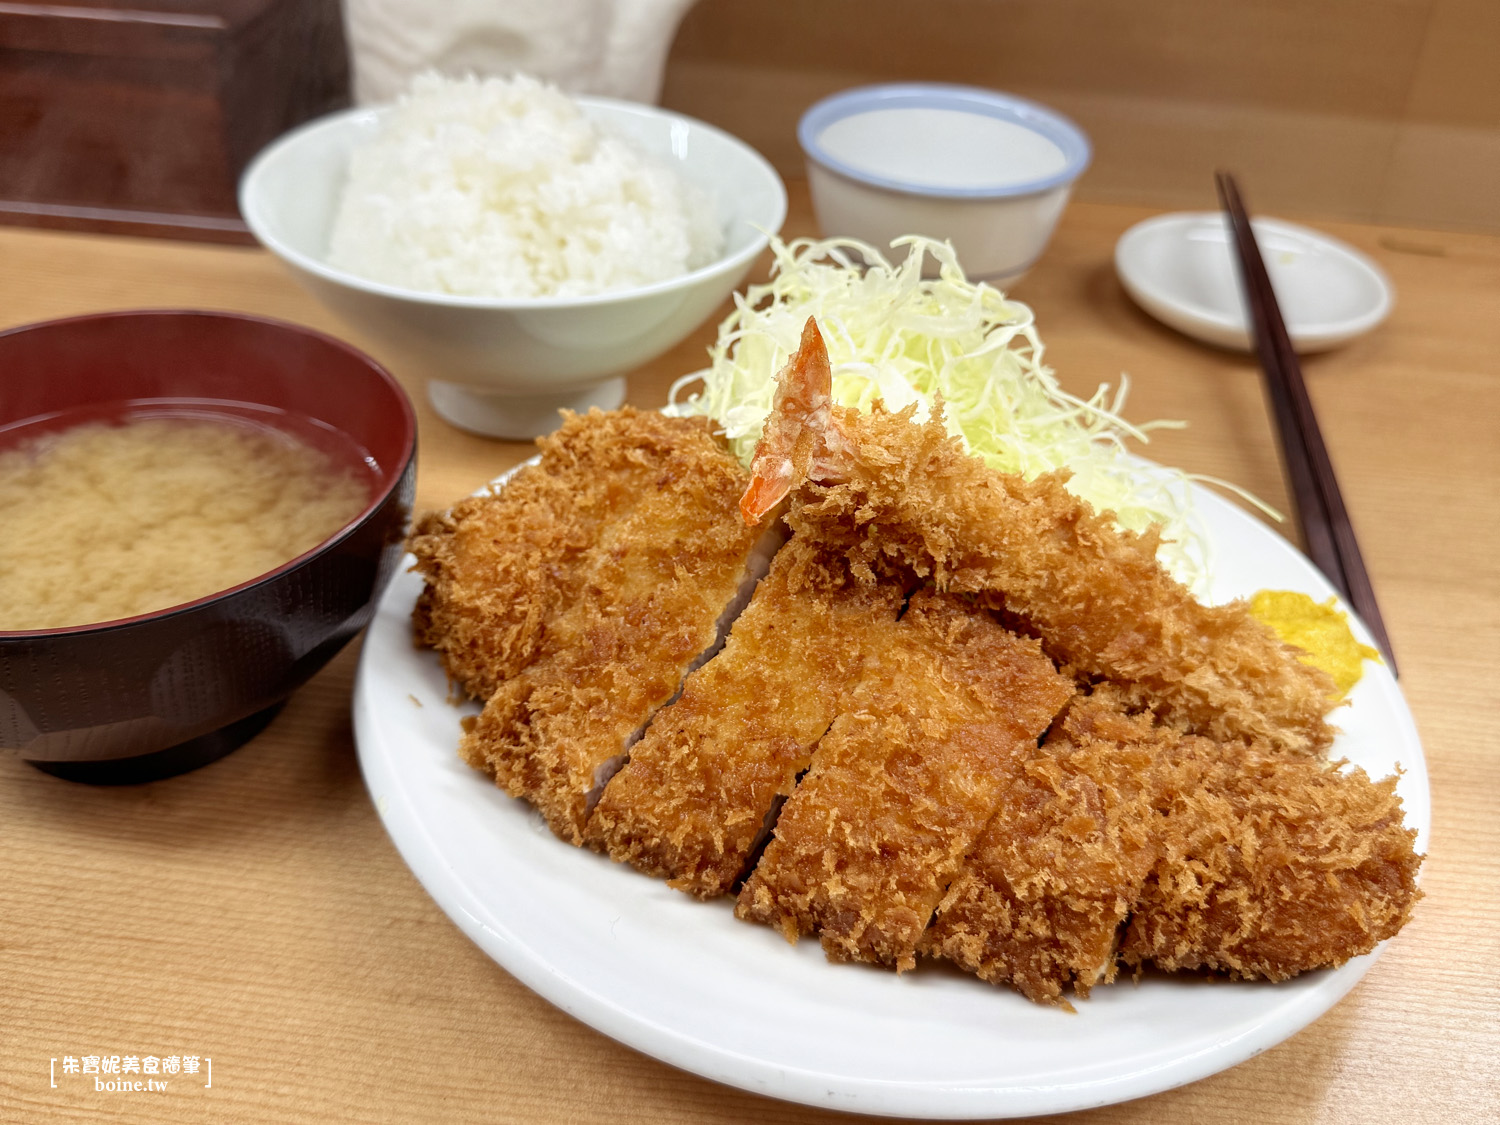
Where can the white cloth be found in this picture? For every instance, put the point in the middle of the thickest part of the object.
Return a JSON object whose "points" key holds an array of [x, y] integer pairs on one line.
{"points": [[615, 48]]}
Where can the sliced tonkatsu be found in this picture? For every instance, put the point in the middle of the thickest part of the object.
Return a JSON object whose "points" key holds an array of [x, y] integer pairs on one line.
{"points": [[670, 567], [1040, 901], [694, 800], [902, 774], [1222, 857], [1269, 867], [904, 782], [501, 566]]}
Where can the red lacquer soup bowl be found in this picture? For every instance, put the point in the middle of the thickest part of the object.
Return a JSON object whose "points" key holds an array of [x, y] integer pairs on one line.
{"points": [[149, 696]]}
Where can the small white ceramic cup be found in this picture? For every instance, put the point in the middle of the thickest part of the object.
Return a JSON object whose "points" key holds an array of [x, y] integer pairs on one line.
{"points": [[988, 172]]}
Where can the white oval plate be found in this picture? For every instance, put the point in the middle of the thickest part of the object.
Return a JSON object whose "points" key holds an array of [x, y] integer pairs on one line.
{"points": [[1181, 269], [685, 982]]}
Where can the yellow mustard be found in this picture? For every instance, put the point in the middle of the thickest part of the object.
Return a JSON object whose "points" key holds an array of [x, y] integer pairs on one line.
{"points": [[1320, 630]]}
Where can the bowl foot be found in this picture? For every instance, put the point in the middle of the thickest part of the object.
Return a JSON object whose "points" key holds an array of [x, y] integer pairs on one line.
{"points": [[181, 758], [517, 416]]}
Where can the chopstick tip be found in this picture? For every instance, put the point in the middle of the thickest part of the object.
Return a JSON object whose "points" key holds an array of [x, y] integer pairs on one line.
{"points": [[1229, 191]]}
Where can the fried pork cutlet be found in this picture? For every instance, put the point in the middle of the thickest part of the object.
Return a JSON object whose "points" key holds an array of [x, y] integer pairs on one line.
{"points": [[666, 573], [1041, 898], [500, 567], [898, 496], [1270, 867], [692, 803], [903, 783]]}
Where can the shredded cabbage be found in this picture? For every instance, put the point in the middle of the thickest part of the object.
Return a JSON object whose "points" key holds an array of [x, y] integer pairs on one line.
{"points": [[894, 335]]}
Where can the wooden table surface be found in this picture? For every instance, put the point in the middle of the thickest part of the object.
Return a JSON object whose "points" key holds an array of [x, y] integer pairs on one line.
{"points": [[256, 913]]}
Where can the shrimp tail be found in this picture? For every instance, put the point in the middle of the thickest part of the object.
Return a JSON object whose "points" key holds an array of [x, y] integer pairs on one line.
{"points": [[801, 439]]}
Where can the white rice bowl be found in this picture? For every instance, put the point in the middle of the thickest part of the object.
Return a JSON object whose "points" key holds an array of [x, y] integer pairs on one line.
{"points": [[503, 188]]}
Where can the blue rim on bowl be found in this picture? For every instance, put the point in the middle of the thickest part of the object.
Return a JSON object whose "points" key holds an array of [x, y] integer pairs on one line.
{"points": [[1076, 150]]}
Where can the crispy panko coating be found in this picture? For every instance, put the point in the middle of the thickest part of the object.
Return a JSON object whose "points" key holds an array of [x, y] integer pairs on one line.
{"points": [[1269, 867], [1040, 900], [500, 567], [903, 783], [899, 496], [914, 500], [692, 803], [1179, 815], [650, 596]]}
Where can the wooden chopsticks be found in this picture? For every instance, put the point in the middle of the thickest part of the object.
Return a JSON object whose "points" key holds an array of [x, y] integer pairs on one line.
{"points": [[1320, 506]]}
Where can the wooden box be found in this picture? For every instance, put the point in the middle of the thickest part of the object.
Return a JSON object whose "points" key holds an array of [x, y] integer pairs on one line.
{"points": [[138, 117]]}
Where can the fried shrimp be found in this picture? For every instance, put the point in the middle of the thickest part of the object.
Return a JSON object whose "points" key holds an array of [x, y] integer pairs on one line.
{"points": [[901, 497], [801, 439]]}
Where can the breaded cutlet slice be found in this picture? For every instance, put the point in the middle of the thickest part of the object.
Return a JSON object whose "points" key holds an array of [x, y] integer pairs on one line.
{"points": [[501, 566], [692, 803], [1040, 900], [1270, 867], [903, 783], [653, 594]]}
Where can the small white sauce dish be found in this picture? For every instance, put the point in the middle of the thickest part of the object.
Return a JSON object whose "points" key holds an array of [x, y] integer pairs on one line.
{"points": [[987, 171], [508, 365], [1181, 269]]}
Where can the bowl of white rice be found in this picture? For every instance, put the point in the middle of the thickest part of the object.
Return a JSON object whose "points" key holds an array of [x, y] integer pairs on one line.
{"points": [[524, 248]]}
